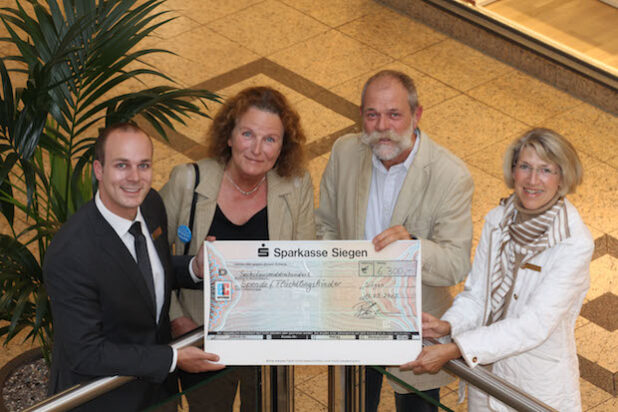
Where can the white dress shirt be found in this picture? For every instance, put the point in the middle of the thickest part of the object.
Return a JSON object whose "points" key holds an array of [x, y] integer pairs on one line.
{"points": [[121, 226], [384, 190]]}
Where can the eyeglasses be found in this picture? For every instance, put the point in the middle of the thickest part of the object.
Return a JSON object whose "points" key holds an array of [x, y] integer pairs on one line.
{"points": [[543, 172]]}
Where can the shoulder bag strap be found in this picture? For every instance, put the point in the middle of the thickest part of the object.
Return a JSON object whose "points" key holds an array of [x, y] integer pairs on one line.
{"points": [[193, 202]]}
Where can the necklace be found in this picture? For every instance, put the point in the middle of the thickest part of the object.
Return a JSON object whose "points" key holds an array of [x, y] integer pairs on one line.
{"points": [[245, 193]]}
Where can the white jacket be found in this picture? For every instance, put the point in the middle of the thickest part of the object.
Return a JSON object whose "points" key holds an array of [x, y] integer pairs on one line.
{"points": [[533, 347]]}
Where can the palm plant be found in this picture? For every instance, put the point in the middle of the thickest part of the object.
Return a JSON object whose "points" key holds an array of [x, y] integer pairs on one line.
{"points": [[75, 54]]}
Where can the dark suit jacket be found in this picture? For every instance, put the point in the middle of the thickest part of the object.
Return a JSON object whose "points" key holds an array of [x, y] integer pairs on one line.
{"points": [[104, 317]]}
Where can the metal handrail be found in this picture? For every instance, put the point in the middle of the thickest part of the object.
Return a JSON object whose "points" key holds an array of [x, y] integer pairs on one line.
{"points": [[82, 393], [479, 377], [493, 385]]}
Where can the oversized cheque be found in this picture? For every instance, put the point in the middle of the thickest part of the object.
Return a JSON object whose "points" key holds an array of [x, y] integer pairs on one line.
{"points": [[313, 302]]}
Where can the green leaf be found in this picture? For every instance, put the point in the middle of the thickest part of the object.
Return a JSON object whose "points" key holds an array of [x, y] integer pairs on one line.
{"points": [[20, 275], [86, 143], [18, 311], [42, 308], [59, 169], [110, 79], [53, 143], [7, 165], [81, 182], [30, 180], [7, 208], [20, 258], [75, 54], [56, 15], [7, 105], [27, 51], [7, 297]]}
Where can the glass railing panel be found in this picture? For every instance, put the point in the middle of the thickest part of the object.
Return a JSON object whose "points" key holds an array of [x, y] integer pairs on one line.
{"points": [[387, 395], [237, 388], [252, 388]]}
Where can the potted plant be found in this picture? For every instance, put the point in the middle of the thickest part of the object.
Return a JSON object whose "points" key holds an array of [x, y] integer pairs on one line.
{"points": [[75, 55]]}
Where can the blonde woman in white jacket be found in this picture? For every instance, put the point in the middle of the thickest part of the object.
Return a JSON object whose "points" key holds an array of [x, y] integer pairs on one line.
{"points": [[528, 281]]}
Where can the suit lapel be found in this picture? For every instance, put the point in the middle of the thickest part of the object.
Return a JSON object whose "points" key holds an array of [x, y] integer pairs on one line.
{"points": [[155, 231], [208, 190], [414, 185], [116, 253], [364, 172], [277, 204]]}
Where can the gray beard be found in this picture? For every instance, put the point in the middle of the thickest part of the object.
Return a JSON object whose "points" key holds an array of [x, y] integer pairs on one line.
{"points": [[388, 152]]}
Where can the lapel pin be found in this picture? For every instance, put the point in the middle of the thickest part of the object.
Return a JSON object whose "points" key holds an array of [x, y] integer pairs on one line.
{"points": [[531, 267], [157, 232], [184, 233]]}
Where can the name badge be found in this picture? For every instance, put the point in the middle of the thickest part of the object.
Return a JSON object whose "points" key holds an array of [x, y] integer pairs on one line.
{"points": [[531, 267], [157, 232]]}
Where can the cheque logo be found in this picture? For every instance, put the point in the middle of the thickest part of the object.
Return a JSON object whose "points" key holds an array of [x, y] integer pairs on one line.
{"points": [[223, 291], [263, 251], [366, 268]]}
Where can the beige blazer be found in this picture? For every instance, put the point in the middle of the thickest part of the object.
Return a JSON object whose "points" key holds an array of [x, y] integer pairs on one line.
{"points": [[290, 216], [433, 205]]}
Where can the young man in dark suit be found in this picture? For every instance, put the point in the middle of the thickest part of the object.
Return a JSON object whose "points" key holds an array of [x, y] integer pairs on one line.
{"points": [[109, 274]]}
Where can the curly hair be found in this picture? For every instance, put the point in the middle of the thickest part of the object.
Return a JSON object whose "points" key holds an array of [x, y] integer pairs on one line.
{"points": [[291, 160]]}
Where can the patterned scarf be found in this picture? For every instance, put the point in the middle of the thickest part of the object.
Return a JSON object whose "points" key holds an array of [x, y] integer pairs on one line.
{"points": [[527, 239]]}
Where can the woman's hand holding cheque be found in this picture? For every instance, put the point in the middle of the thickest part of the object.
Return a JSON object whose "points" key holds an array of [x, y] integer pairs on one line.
{"points": [[432, 358]]}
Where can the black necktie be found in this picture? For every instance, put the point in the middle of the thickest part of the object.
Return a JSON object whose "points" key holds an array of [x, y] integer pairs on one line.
{"points": [[143, 261]]}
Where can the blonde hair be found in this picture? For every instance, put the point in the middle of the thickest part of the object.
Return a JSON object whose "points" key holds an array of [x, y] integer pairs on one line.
{"points": [[551, 147]]}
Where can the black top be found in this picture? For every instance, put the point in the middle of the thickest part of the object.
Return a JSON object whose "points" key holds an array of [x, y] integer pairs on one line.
{"points": [[256, 228]]}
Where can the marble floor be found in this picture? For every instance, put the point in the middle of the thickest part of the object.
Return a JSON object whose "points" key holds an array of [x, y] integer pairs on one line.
{"points": [[319, 53]]}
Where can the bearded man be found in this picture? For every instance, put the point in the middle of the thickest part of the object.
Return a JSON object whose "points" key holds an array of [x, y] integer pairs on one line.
{"points": [[393, 182]]}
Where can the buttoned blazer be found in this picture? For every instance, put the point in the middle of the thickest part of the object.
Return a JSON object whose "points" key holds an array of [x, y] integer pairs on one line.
{"points": [[290, 215], [104, 316], [433, 205]]}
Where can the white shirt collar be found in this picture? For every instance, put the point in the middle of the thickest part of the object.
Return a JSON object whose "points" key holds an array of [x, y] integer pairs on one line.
{"points": [[378, 165], [120, 225]]}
